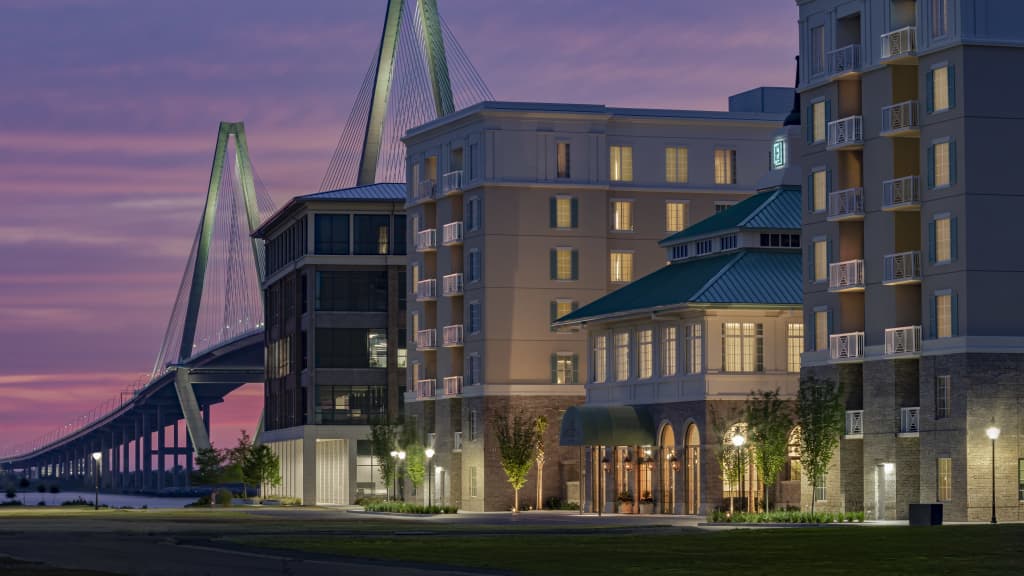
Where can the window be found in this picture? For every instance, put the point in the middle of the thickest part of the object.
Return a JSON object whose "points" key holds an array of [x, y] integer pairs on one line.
{"points": [[819, 489], [473, 213], [474, 317], [821, 329], [1020, 479], [703, 247], [351, 348], [563, 160], [742, 347], [472, 425], [820, 261], [561, 307], [377, 346], [564, 264], [622, 356], [817, 42], [725, 166], [680, 251], [940, 19], [677, 165], [349, 404], [944, 479], [474, 374], [819, 190], [694, 335], [941, 91], [331, 234], [772, 240], [474, 265], [727, 242], [370, 233], [622, 215], [600, 358], [943, 396], [943, 244], [564, 368], [944, 315], [675, 216], [472, 153], [668, 351], [794, 345], [941, 165], [351, 291], [473, 486], [621, 266], [645, 353], [723, 206], [563, 212], [819, 121], [457, 442], [779, 154], [621, 163]]}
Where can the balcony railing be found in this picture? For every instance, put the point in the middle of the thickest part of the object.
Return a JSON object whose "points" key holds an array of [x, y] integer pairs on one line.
{"points": [[899, 44], [451, 182], [904, 340], [426, 290], [900, 119], [846, 133], [425, 388], [453, 284], [843, 347], [453, 386], [846, 205], [844, 61], [855, 423], [910, 420], [424, 190], [901, 194], [457, 440], [426, 339], [453, 335], [846, 276], [902, 268], [426, 240], [452, 233]]}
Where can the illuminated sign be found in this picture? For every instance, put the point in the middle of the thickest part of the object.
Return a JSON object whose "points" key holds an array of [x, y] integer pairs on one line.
{"points": [[779, 153]]}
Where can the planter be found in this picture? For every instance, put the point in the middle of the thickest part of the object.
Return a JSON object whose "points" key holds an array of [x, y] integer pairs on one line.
{"points": [[647, 507], [625, 507]]}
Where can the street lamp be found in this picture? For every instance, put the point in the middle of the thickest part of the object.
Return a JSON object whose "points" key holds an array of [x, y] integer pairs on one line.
{"points": [[401, 459], [394, 456], [993, 434], [96, 456], [605, 466], [738, 440], [430, 476]]}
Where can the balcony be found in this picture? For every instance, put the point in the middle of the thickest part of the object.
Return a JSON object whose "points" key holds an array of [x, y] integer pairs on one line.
{"points": [[453, 386], [910, 420], [426, 240], [451, 182], [902, 268], [846, 133], [426, 339], [899, 45], [846, 276], [854, 424], [425, 388], [453, 284], [453, 336], [426, 290], [457, 439], [423, 191], [451, 234], [846, 205], [903, 341], [846, 347], [901, 120], [844, 61], [901, 194]]}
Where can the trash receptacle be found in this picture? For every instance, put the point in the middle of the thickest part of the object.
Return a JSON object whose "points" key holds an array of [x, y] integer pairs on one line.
{"points": [[926, 514]]}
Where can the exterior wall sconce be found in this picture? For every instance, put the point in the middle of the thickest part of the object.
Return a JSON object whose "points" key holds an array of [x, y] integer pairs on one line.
{"points": [[627, 464]]}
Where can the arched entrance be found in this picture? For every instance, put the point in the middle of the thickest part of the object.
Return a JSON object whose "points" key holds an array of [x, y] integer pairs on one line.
{"points": [[669, 466], [692, 464]]}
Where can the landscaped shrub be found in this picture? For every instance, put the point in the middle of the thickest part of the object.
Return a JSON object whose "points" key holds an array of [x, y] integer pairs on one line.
{"points": [[10, 503], [407, 508], [785, 517], [556, 503], [223, 497], [364, 500]]}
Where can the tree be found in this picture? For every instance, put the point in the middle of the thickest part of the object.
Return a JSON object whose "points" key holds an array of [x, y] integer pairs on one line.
{"points": [[730, 458], [539, 426], [238, 457], [820, 415], [769, 421], [262, 468], [208, 464], [415, 457], [384, 437], [517, 444]]}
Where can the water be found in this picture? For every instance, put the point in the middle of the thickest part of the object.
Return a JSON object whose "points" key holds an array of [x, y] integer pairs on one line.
{"points": [[112, 500]]}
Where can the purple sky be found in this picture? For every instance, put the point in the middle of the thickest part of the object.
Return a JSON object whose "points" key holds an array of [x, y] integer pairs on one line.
{"points": [[109, 111]]}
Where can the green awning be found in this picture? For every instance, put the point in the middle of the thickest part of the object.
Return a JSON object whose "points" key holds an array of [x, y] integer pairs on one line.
{"points": [[607, 426]]}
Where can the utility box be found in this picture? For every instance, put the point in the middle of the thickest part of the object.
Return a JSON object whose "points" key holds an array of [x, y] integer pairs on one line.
{"points": [[926, 514]]}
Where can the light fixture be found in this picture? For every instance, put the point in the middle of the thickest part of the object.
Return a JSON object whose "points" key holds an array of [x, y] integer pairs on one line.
{"points": [[97, 455], [888, 467], [604, 464], [628, 464], [738, 440], [429, 452], [394, 453], [401, 454], [992, 432]]}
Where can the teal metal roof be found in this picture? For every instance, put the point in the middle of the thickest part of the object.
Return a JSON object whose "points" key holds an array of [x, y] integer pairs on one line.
{"points": [[772, 210], [386, 192], [746, 277]]}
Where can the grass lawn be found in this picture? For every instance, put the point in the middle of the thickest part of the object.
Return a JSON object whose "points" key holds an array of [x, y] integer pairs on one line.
{"points": [[961, 550], [12, 567]]}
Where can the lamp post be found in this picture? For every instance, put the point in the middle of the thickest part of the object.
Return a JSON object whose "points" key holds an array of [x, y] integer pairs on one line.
{"points": [[401, 460], [738, 440], [394, 482], [430, 476], [600, 485], [96, 456], [993, 434]]}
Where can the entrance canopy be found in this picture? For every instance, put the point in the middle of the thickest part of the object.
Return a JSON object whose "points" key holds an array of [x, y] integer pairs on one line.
{"points": [[607, 426]]}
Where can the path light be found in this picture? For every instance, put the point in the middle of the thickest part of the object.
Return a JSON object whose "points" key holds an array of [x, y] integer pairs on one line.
{"points": [[993, 434], [430, 477], [96, 457]]}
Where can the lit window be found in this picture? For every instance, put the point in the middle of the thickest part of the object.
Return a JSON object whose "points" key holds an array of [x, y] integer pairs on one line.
{"points": [[725, 166], [563, 307], [819, 489], [677, 164], [742, 347], [820, 179], [941, 163], [563, 160], [668, 351], [473, 490], [723, 206], [621, 163], [622, 215], [645, 353], [940, 89], [943, 396], [675, 216], [821, 330], [563, 264], [1020, 479], [820, 261], [694, 348], [600, 358], [944, 315], [943, 245], [944, 474], [563, 368], [563, 212], [817, 42], [621, 266], [794, 345], [819, 122], [622, 356]]}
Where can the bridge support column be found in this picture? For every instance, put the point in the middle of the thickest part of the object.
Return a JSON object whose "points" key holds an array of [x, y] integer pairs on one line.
{"points": [[161, 456], [175, 472], [137, 473], [198, 434], [125, 459], [147, 452]]}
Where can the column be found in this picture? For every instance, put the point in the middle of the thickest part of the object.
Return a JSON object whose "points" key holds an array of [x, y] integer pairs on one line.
{"points": [[161, 456], [175, 474], [147, 452]]}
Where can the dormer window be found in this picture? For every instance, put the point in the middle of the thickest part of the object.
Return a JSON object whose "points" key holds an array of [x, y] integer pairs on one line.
{"points": [[704, 247], [680, 251], [780, 240], [727, 242]]}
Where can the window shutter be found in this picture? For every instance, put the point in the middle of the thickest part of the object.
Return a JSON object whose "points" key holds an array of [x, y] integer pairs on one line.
{"points": [[828, 252], [554, 264], [951, 75], [931, 167], [954, 314], [831, 328], [931, 242], [575, 265], [828, 112], [932, 328], [575, 305], [575, 369], [554, 311], [812, 325], [828, 182], [930, 91], [554, 212], [810, 124], [952, 238], [574, 207], [952, 162], [554, 368], [810, 262], [810, 192]]}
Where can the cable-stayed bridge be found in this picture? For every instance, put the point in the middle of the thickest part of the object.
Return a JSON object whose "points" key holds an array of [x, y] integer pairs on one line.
{"points": [[214, 340]]}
